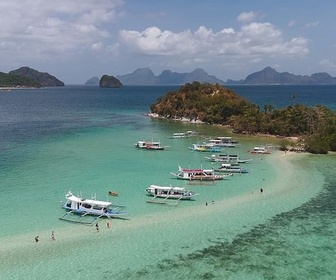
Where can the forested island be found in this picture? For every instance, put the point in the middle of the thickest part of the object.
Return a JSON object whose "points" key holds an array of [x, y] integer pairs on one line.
{"points": [[214, 104]]}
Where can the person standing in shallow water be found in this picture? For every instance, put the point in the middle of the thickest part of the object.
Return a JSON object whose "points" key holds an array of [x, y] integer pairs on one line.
{"points": [[37, 239], [97, 227], [261, 190], [52, 235]]}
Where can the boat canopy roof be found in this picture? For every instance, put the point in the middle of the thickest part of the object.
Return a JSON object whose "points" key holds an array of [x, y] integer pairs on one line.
{"points": [[74, 198], [167, 188], [195, 170]]}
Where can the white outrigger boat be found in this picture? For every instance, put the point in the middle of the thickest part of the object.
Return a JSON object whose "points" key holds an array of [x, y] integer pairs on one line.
{"points": [[259, 150], [206, 147], [227, 158], [161, 194], [179, 135], [231, 168], [149, 145], [92, 207], [197, 174], [169, 192], [221, 143]]}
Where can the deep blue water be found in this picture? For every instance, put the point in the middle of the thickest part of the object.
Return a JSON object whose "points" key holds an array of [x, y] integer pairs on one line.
{"points": [[28, 113], [281, 96], [35, 113]]}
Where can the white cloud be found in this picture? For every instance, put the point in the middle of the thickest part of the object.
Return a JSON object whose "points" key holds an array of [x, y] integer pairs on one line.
{"points": [[153, 41], [291, 23], [252, 39], [327, 64], [312, 24], [43, 27], [247, 17]]}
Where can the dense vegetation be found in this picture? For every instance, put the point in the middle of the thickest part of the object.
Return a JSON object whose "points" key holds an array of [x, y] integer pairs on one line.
{"points": [[214, 104], [11, 80]]}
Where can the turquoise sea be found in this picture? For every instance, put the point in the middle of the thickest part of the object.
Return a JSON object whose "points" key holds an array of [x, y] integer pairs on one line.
{"points": [[81, 138]]}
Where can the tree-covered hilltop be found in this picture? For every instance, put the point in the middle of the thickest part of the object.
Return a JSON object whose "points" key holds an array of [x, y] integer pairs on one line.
{"points": [[214, 104], [12, 80], [209, 103], [43, 78]]}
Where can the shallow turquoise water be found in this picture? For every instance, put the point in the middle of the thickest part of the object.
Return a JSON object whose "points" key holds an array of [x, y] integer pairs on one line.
{"points": [[155, 238]]}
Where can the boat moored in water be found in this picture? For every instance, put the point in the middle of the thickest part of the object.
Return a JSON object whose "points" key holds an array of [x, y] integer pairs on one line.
{"points": [[231, 168], [206, 147], [226, 158], [149, 145], [220, 143], [83, 207], [197, 174], [259, 150], [169, 192], [179, 135]]}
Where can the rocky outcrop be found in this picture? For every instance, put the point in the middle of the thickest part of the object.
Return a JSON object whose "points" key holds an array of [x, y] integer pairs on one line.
{"points": [[107, 81], [43, 78]]}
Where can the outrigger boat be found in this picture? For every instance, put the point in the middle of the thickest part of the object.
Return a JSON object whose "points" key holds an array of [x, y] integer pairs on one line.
{"points": [[169, 192], [227, 139], [197, 174], [227, 158], [179, 135], [91, 207], [149, 145], [259, 150], [207, 147], [221, 143], [165, 194], [231, 168]]}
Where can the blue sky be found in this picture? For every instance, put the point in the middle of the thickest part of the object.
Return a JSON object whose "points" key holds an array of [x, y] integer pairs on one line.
{"points": [[75, 40]]}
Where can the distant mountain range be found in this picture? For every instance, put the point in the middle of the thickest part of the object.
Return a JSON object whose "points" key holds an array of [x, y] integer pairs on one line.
{"points": [[145, 76], [267, 76], [270, 76]]}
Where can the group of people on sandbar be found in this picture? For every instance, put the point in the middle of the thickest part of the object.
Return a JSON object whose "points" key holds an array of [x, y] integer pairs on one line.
{"points": [[52, 236]]}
